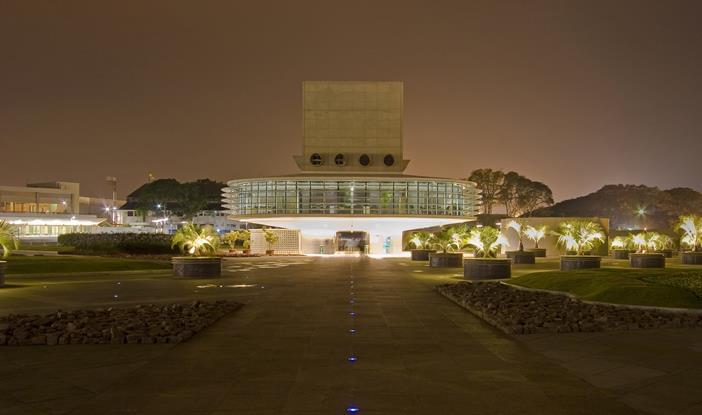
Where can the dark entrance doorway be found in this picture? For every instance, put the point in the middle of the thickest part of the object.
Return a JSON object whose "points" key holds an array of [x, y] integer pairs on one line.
{"points": [[352, 241]]}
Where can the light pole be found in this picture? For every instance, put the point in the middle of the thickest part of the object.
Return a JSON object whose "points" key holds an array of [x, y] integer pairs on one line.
{"points": [[112, 182], [164, 219], [641, 213]]}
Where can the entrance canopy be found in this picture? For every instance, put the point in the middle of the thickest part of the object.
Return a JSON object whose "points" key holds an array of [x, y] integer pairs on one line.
{"points": [[327, 226]]}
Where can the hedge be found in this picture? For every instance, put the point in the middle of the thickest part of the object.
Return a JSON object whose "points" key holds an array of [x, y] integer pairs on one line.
{"points": [[116, 243]]}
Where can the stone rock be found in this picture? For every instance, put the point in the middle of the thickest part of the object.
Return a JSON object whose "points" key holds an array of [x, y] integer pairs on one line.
{"points": [[517, 311], [52, 339], [145, 324], [39, 339]]}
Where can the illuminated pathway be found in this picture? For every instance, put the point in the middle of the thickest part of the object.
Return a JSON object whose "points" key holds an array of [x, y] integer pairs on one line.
{"points": [[291, 350]]}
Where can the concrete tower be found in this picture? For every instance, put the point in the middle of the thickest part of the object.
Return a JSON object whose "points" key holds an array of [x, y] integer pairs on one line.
{"points": [[352, 127]]}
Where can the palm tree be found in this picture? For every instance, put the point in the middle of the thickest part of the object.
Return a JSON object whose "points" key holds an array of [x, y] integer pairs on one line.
{"points": [[420, 239], [579, 235], [621, 242], [518, 227], [8, 239], [446, 240], [649, 241], [644, 241], [691, 228], [196, 240], [664, 242], [485, 240], [536, 234]]}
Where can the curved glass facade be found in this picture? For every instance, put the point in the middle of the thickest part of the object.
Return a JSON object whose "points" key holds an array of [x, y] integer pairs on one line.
{"points": [[358, 196]]}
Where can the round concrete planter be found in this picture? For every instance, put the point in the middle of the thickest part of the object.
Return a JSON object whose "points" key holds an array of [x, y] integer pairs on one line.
{"points": [[538, 252], [487, 268], [571, 262], [691, 258], [668, 253], [3, 266], [197, 267], [647, 260], [522, 257], [421, 254], [445, 260], [620, 253]]}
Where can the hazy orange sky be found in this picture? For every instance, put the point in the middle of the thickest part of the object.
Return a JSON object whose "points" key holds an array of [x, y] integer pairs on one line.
{"points": [[575, 94]]}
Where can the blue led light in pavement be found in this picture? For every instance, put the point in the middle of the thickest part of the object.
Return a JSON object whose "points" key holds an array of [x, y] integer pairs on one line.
{"points": [[352, 331], [352, 359], [352, 314], [352, 410]]}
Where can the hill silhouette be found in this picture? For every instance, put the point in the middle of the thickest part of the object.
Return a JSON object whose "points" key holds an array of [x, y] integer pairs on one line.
{"points": [[622, 204]]}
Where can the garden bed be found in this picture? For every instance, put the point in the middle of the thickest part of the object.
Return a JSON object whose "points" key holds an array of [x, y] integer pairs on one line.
{"points": [[520, 311], [143, 324]]}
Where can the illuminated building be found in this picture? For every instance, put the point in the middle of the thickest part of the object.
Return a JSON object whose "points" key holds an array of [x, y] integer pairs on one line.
{"points": [[351, 194], [42, 211]]}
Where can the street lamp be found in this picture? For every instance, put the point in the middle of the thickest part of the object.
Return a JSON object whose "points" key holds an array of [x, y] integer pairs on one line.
{"points": [[162, 207], [641, 213]]}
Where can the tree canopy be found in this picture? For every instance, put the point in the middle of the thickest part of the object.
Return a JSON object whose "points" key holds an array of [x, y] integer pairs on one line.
{"points": [[518, 194], [183, 199]]}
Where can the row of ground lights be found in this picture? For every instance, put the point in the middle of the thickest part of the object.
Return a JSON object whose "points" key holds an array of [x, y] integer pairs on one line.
{"points": [[352, 358]]}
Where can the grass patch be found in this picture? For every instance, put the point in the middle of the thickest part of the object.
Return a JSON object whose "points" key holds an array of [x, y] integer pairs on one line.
{"points": [[650, 287], [17, 264], [39, 246]]}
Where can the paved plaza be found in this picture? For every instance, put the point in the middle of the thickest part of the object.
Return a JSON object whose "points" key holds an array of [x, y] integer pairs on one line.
{"points": [[288, 350]]}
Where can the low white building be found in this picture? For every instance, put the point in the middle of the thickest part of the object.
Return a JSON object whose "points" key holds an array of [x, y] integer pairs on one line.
{"points": [[42, 211], [165, 221]]}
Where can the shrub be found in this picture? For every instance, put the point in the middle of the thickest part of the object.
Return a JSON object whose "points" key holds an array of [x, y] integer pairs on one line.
{"points": [[196, 240], [116, 243], [420, 240], [486, 241], [8, 239], [691, 228], [579, 235]]}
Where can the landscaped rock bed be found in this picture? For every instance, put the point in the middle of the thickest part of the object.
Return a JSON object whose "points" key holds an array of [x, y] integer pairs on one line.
{"points": [[518, 311], [144, 324]]}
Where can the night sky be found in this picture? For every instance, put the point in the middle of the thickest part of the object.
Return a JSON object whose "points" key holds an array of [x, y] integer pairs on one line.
{"points": [[577, 95]]}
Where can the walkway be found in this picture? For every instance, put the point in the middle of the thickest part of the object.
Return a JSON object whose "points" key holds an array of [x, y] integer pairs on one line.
{"points": [[287, 352]]}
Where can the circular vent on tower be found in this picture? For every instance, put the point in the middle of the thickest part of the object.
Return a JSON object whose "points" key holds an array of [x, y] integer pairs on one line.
{"points": [[316, 159], [389, 160], [340, 160], [364, 160]]}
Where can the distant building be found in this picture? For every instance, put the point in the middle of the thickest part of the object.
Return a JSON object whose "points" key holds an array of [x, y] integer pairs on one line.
{"points": [[161, 216], [42, 211], [352, 194]]}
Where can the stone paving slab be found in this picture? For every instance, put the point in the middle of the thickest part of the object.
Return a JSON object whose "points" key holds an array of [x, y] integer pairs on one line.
{"points": [[286, 352], [657, 371]]}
